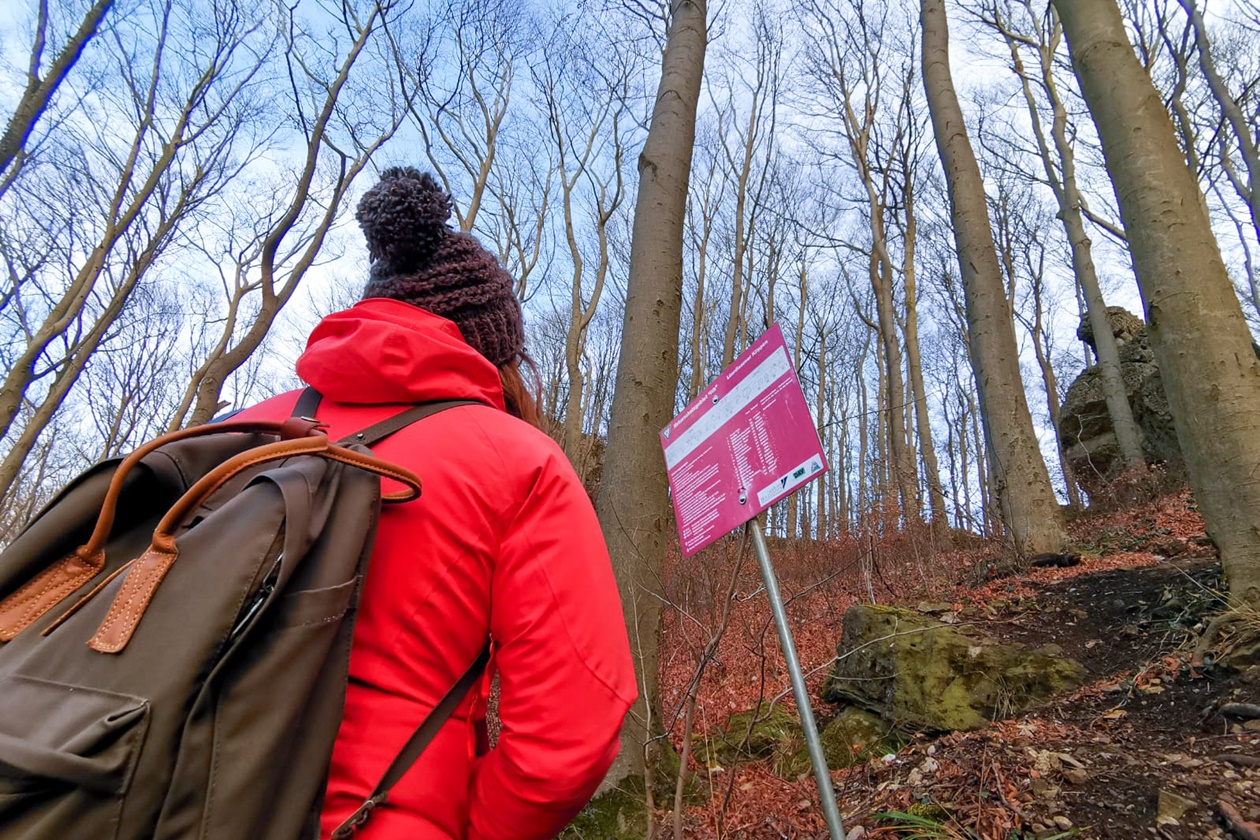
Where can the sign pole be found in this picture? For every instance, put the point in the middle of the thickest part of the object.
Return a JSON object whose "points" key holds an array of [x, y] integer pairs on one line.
{"points": [[831, 814]]}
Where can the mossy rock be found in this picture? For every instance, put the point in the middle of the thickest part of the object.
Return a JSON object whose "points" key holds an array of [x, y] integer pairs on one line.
{"points": [[754, 735], [620, 813], [665, 779], [856, 736], [853, 738], [615, 814], [920, 674]]}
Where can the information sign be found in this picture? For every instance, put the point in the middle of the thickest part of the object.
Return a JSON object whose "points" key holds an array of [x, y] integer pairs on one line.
{"points": [[744, 443]]}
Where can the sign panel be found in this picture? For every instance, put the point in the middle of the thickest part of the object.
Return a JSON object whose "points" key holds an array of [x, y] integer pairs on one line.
{"points": [[743, 444]]}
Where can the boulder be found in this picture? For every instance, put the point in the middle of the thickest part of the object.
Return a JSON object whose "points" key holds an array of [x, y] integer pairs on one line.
{"points": [[923, 675], [766, 732], [614, 814], [855, 737], [775, 735], [1089, 442]]}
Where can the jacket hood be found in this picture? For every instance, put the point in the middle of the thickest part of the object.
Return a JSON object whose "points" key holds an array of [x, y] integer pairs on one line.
{"points": [[386, 351]]}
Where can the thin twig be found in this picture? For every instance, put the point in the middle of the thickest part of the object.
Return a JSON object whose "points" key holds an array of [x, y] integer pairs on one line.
{"points": [[710, 651]]}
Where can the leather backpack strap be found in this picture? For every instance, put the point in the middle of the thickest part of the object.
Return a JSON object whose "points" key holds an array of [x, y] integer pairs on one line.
{"points": [[415, 745], [309, 401], [306, 406]]}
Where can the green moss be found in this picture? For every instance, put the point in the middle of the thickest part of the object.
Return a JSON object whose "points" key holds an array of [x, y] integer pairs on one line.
{"points": [[665, 778], [750, 736], [928, 811], [621, 813], [616, 814], [853, 738], [922, 674], [857, 736]]}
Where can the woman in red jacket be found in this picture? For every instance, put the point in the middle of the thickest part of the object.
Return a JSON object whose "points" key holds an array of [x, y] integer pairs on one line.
{"points": [[503, 545]]}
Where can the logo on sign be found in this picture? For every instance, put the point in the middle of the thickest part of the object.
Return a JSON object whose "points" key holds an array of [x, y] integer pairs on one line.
{"points": [[668, 431]]}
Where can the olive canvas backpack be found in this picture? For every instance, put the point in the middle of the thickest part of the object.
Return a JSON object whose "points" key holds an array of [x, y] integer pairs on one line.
{"points": [[175, 632]]}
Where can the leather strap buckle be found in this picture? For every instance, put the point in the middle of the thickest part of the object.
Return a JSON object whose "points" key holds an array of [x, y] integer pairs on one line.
{"points": [[356, 820]]}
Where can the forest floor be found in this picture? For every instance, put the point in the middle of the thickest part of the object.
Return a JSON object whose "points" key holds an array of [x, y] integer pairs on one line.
{"points": [[1141, 750]]}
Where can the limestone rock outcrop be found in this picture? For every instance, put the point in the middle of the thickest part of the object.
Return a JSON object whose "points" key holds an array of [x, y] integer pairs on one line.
{"points": [[1089, 440]]}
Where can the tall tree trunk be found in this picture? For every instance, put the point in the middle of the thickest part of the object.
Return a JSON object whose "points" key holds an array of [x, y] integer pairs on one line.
{"points": [[1041, 347], [820, 532], [841, 509], [1063, 184], [923, 424], [867, 474], [742, 235], [1029, 507], [1198, 332], [899, 454], [634, 497], [698, 312]]}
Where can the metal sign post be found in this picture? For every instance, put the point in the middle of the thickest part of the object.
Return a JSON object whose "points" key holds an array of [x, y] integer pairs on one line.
{"points": [[831, 814], [744, 443]]}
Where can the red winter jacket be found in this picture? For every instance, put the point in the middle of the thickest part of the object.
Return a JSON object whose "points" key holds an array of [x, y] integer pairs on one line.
{"points": [[502, 544]]}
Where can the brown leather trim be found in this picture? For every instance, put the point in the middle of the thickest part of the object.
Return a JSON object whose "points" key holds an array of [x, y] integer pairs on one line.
{"points": [[82, 602], [300, 427], [133, 598], [47, 589], [383, 468], [106, 520], [146, 573]]}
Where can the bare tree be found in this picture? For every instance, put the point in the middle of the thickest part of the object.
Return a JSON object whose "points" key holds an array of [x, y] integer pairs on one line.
{"points": [[706, 198], [43, 82], [181, 124], [263, 263], [1021, 236], [907, 181], [1029, 507], [585, 109], [1025, 26], [468, 61], [1243, 176], [851, 65], [748, 162], [633, 502], [1198, 333]]}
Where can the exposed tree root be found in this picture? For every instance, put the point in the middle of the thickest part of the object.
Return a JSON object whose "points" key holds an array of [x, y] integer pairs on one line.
{"points": [[1235, 823], [1220, 638]]}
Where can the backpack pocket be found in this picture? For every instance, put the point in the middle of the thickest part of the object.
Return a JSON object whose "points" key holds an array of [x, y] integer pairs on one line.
{"points": [[82, 749], [286, 759], [313, 607]]}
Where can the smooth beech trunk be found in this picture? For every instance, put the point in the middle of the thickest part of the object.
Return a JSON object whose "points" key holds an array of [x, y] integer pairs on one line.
{"points": [[1030, 510], [634, 499], [1198, 332]]}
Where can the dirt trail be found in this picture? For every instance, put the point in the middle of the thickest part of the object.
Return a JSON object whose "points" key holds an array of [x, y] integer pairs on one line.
{"points": [[1142, 750]]}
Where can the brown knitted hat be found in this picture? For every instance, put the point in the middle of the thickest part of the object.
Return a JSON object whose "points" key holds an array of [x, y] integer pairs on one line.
{"points": [[416, 258]]}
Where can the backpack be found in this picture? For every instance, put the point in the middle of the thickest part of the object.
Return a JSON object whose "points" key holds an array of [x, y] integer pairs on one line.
{"points": [[175, 634]]}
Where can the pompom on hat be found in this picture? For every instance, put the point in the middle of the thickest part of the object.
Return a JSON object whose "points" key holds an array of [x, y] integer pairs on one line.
{"points": [[418, 259]]}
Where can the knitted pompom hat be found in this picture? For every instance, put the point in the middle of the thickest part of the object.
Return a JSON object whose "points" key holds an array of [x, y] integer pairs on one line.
{"points": [[416, 258]]}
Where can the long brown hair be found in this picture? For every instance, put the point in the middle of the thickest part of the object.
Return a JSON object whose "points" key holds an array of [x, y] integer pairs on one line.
{"points": [[520, 397]]}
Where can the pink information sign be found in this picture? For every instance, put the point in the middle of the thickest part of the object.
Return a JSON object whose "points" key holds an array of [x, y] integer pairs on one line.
{"points": [[745, 443]]}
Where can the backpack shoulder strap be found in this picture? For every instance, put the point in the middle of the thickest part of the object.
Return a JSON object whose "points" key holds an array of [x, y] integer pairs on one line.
{"points": [[308, 403], [414, 747]]}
